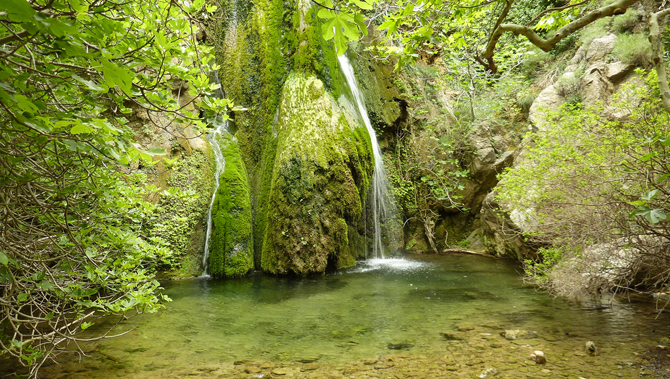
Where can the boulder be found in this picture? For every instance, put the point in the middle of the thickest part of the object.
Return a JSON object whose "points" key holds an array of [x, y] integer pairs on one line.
{"points": [[600, 48], [596, 86], [617, 71], [548, 100]]}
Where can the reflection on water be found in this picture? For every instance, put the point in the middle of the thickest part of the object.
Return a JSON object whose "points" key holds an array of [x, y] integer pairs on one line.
{"points": [[381, 307]]}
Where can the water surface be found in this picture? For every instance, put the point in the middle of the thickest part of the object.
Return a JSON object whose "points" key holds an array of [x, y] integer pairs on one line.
{"points": [[379, 309]]}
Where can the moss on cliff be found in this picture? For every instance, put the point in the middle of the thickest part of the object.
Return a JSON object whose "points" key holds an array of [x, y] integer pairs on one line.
{"points": [[182, 208], [231, 244], [321, 172]]}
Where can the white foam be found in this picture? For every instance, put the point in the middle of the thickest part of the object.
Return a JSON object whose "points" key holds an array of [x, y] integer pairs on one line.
{"points": [[389, 264]]}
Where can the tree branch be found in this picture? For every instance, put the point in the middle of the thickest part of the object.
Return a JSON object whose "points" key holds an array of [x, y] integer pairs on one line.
{"points": [[617, 7], [657, 51], [322, 6], [556, 9]]}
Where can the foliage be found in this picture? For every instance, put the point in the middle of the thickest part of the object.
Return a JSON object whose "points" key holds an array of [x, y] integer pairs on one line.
{"points": [[626, 22], [581, 184], [633, 49], [539, 270], [596, 30], [73, 245]]}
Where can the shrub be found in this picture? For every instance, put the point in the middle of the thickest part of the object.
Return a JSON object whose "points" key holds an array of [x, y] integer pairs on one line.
{"points": [[597, 29], [626, 21], [633, 49]]}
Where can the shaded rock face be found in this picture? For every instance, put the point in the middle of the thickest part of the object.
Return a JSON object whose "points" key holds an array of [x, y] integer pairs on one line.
{"points": [[187, 168], [321, 173]]}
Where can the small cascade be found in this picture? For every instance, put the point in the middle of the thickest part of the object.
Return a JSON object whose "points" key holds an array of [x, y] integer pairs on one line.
{"points": [[383, 206], [221, 127]]}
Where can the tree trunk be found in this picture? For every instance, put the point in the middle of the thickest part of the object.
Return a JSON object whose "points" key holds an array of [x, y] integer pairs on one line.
{"points": [[657, 51]]}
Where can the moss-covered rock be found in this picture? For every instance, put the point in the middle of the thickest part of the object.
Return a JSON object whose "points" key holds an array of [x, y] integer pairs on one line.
{"points": [[182, 208], [231, 240], [320, 174]]}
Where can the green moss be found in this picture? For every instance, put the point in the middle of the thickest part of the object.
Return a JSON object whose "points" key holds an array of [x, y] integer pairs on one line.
{"points": [[182, 210], [231, 243], [270, 40], [321, 173]]}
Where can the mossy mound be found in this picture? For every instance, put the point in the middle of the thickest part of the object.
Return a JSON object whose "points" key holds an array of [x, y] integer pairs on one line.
{"points": [[231, 246], [321, 173]]}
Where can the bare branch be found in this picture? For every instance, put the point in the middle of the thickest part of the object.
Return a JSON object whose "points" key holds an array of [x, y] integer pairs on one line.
{"points": [[617, 7]]}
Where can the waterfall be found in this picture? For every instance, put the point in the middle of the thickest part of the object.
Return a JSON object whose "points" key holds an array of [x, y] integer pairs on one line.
{"points": [[383, 206], [221, 127]]}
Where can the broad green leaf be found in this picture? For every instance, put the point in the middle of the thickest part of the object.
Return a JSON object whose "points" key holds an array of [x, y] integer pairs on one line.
{"points": [[22, 297], [326, 13], [363, 5], [656, 215], [18, 10], [360, 21], [93, 86], [45, 285], [156, 151], [650, 195], [3, 259], [81, 128], [115, 75]]}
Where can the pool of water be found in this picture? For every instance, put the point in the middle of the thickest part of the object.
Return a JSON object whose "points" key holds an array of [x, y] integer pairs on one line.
{"points": [[445, 311]]}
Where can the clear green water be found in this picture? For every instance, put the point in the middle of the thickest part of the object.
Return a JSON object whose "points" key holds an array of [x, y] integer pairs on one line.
{"points": [[379, 308]]}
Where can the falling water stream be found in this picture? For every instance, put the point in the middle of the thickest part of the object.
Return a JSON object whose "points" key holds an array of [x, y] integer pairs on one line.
{"points": [[221, 127], [383, 206]]}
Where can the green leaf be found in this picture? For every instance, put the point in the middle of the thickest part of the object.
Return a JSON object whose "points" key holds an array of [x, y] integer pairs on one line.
{"points": [[45, 285], [656, 215], [93, 86], [363, 5], [650, 195], [156, 151], [86, 325], [22, 297], [81, 128], [360, 21], [326, 14], [117, 76], [18, 10], [3, 259]]}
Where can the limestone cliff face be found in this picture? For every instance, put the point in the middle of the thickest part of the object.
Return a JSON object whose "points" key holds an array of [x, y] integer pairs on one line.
{"points": [[184, 182], [592, 78]]}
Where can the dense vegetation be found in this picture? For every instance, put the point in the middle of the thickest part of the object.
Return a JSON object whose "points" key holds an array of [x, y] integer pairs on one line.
{"points": [[590, 183], [74, 242], [82, 235]]}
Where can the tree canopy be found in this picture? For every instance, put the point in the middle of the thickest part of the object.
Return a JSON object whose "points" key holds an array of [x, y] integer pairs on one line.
{"points": [[72, 246]]}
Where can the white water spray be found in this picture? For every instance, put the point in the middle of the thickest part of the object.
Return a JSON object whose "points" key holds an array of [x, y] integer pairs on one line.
{"points": [[383, 206], [221, 127]]}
